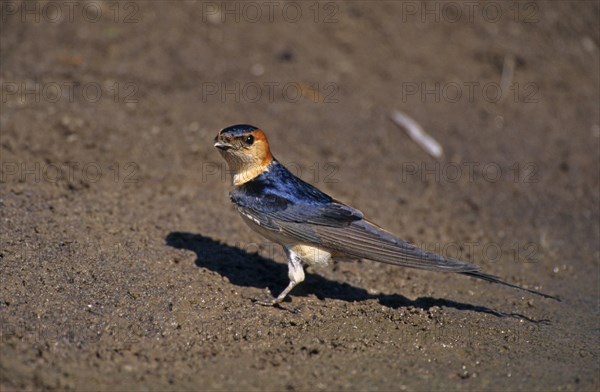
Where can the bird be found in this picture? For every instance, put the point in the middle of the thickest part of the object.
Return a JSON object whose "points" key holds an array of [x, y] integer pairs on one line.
{"points": [[312, 227]]}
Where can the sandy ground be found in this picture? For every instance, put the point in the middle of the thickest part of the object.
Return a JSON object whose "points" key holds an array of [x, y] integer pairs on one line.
{"points": [[123, 265]]}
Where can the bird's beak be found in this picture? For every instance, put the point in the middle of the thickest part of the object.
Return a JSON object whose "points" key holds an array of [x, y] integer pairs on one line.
{"points": [[222, 145]]}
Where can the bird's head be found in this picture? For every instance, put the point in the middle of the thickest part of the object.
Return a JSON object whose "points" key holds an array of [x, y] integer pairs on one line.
{"points": [[245, 148]]}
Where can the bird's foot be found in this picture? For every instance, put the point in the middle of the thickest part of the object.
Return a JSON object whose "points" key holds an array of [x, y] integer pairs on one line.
{"points": [[271, 301], [268, 302], [275, 301], [296, 266]]}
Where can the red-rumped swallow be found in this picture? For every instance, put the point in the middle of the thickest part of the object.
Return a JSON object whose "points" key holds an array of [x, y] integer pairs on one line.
{"points": [[312, 226]]}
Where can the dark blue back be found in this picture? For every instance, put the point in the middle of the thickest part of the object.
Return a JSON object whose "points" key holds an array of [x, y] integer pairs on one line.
{"points": [[276, 189]]}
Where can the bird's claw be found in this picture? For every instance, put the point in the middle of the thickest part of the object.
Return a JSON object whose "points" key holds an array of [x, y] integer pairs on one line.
{"points": [[276, 302], [272, 301]]}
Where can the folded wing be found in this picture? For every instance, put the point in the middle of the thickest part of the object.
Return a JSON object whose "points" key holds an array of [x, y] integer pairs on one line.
{"points": [[342, 229]]}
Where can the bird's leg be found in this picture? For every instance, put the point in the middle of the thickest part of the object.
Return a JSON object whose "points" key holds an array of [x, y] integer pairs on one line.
{"points": [[295, 273]]}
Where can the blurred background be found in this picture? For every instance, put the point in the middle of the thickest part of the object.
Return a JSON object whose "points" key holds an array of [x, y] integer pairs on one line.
{"points": [[123, 264]]}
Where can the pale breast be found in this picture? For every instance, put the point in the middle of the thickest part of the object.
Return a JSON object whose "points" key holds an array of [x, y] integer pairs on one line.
{"points": [[311, 255]]}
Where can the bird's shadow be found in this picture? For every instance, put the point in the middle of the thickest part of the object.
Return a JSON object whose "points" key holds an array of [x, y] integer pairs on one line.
{"points": [[253, 270]]}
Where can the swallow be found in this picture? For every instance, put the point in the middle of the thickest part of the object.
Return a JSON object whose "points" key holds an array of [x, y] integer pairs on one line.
{"points": [[312, 226]]}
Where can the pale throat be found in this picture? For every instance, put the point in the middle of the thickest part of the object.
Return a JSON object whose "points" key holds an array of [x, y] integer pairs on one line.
{"points": [[244, 168]]}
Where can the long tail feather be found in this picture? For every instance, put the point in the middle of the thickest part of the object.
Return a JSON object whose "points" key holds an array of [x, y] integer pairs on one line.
{"points": [[494, 279]]}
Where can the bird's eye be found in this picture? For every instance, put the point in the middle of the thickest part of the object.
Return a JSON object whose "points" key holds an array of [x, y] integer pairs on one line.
{"points": [[249, 139]]}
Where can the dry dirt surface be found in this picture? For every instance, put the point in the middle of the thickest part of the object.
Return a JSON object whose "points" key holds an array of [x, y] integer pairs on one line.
{"points": [[123, 265]]}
